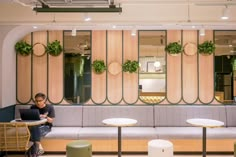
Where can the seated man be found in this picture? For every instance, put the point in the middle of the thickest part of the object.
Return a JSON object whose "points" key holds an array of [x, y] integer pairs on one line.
{"points": [[46, 111]]}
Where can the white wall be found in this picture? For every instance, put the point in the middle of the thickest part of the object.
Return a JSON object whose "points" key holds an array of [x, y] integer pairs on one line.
{"points": [[9, 36]]}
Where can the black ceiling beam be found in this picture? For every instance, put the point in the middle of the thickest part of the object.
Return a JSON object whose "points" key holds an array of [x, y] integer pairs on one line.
{"points": [[73, 10]]}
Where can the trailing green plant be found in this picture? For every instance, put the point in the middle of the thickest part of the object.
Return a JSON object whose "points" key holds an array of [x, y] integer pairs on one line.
{"points": [[174, 48], [207, 47], [54, 48], [99, 66], [23, 48], [130, 66]]}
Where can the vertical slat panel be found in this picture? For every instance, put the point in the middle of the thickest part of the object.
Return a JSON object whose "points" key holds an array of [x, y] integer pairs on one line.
{"points": [[130, 83], [55, 70], [39, 65], [24, 75], [173, 69], [206, 72], [190, 70], [99, 53], [114, 54]]}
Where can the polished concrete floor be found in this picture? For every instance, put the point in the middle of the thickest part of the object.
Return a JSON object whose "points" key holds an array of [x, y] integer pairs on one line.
{"points": [[133, 155]]}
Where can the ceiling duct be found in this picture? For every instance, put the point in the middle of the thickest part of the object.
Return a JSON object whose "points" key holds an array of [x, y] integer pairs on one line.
{"points": [[69, 6]]}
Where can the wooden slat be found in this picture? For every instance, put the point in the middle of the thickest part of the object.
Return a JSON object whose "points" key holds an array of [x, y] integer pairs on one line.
{"points": [[23, 77], [114, 54], [206, 72], [39, 65], [130, 84], [98, 53], [173, 78], [190, 71], [55, 70]]}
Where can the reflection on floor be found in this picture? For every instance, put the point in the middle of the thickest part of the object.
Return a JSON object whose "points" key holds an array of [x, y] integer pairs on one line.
{"points": [[133, 155]]}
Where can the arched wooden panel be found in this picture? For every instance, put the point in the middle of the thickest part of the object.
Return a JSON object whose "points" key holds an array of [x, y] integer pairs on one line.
{"points": [[114, 55], [98, 53], [174, 86], [190, 70], [39, 82], [55, 70], [130, 83], [23, 77], [206, 72]]}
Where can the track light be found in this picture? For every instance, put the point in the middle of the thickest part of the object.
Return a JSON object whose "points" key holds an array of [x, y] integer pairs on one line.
{"points": [[73, 32], [225, 13], [202, 32], [133, 32], [86, 17]]}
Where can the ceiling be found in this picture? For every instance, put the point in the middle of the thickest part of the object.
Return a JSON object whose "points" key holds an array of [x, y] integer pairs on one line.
{"points": [[136, 14]]}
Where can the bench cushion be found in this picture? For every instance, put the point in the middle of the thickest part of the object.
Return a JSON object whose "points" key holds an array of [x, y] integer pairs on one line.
{"points": [[231, 115], [68, 116], [194, 133], [176, 116], [94, 115], [64, 133], [98, 133]]}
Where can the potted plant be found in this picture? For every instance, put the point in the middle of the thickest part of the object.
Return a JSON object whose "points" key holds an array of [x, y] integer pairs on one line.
{"points": [[130, 66], [206, 48], [174, 48], [54, 48], [23, 48], [99, 66]]}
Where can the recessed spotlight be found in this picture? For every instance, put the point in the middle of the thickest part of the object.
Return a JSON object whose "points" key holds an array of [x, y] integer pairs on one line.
{"points": [[35, 27], [114, 26]]}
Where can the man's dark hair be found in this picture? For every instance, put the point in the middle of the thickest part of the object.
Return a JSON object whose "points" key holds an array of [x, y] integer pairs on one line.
{"points": [[40, 95]]}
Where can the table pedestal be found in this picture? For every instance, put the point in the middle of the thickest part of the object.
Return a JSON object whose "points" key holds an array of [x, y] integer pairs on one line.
{"points": [[204, 141], [119, 142]]}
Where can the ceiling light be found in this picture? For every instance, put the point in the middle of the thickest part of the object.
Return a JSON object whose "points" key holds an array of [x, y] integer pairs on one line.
{"points": [[114, 26], [86, 17], [157, 64], [225, 13], [73, 32], [133, 32], [202, 32]]}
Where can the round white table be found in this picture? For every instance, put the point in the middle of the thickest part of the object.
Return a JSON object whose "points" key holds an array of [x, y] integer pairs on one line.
{"points": [[204, 123], [119, 122]]}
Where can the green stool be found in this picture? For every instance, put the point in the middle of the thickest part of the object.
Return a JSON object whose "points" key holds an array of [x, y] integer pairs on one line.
{"points": [[79, 148]]}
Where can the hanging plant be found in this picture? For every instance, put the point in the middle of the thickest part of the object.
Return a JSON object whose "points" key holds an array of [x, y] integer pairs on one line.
{"points": [[54, 48], [207, 48], [174, 48], [99, 66], [130, 66], [23, 48]]}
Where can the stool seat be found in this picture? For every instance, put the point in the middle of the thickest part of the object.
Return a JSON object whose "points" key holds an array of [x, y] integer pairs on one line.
{"points": [[162, 148], [79, 148]]}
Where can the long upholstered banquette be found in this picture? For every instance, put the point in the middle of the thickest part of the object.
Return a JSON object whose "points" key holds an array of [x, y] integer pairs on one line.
{"points": [[154, 122]]}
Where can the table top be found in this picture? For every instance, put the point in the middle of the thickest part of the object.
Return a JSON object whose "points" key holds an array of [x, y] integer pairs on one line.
{"points": [[210, 123], [119, 122], [30, 122]]}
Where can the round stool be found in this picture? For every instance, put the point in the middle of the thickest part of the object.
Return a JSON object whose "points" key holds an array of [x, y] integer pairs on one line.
{"points": [[79, 148], [160, 148]]}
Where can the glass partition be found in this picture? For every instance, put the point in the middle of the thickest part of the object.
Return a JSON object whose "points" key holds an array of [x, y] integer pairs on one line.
{"points": [[225, 66], [152, 59], [77, 66]]}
